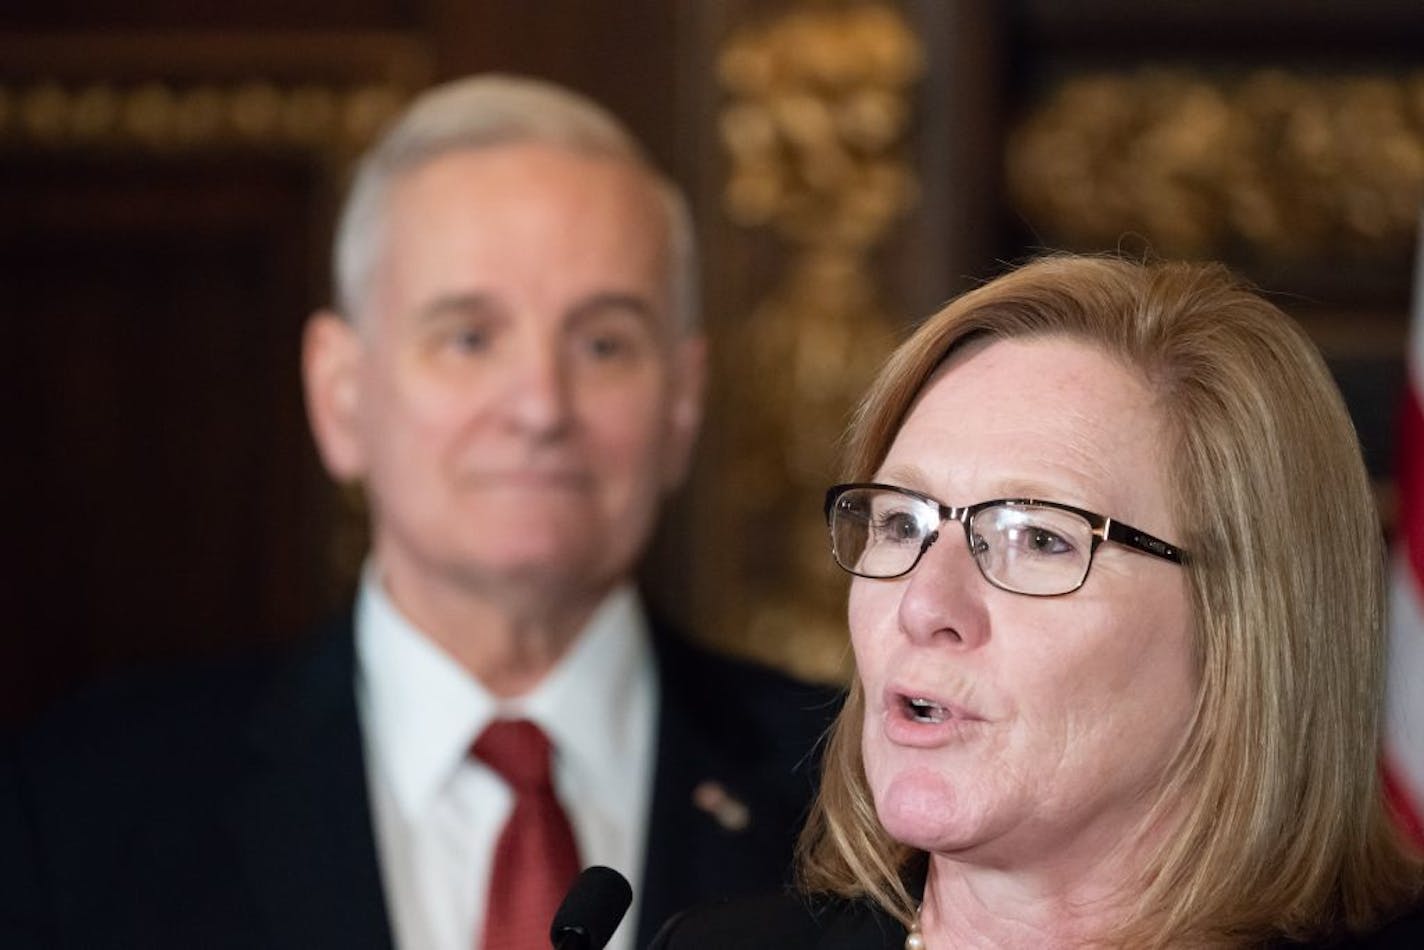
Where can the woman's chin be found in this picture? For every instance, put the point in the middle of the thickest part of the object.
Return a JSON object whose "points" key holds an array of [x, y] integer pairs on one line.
{"points": [[922, 809]]}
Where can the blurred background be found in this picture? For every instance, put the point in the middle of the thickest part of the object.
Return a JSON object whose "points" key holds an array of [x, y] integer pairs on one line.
{"points": [[169, 170]]}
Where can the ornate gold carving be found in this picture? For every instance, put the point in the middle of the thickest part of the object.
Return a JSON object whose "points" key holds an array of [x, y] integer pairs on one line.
{"points": [[817, 112], [1273, 163], [166, 116], [324, 94]]}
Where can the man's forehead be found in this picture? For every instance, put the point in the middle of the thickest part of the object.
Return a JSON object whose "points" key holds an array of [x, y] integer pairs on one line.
{"points": [[532, 163], [526, 225]]}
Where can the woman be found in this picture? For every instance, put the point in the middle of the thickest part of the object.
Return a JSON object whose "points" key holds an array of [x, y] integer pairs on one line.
{"points": [[1117, 617]]}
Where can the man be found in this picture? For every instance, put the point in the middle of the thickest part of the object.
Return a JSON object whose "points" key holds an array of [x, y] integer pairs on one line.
{"points": [[515, 376]]}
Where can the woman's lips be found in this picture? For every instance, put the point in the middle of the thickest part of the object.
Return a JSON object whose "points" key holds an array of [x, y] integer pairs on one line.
{"points": [[920, 719], [924, 710]]}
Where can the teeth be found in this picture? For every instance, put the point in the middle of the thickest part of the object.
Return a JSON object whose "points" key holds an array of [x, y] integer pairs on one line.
{"points": [[924, 710]]}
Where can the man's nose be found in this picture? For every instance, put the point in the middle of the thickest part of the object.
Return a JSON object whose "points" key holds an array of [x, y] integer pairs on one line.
{"points": [[540, 395]]}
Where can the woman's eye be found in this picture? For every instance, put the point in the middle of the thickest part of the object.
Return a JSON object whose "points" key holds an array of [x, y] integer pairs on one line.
{"points": [[1048, 541], [1041, 541], [898, 526]]}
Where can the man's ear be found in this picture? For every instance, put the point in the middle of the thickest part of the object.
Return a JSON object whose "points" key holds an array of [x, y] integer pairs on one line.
{"points": [[684, 419], [331, 363]]}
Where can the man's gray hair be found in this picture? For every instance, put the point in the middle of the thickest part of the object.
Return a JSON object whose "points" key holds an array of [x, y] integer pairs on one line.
{"points": [[492, 110]]}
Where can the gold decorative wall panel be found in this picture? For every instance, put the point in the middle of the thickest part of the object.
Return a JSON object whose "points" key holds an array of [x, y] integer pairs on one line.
{"points": [[1269, 164], [175, 101], [323, 95], [817, 110], [164, 117]]}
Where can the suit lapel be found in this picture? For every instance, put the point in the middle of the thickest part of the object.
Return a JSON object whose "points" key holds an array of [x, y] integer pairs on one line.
{"points": [[714, 829], [303, 822], [680, 837]]}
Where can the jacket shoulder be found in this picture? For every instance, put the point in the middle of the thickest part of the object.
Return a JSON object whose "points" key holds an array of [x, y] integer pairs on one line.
{"points": [[1405, 931], [162, 729], [788, 920], [747, 704]]}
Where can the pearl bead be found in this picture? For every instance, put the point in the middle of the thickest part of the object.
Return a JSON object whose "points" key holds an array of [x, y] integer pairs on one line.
{"points": [[914, 941]]}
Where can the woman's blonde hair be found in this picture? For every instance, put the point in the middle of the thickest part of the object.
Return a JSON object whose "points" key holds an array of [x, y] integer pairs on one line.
{"points": [[1280, 826]]}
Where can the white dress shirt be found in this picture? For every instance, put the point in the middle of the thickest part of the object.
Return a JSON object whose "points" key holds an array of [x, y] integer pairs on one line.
{"points": [[438, 812]]}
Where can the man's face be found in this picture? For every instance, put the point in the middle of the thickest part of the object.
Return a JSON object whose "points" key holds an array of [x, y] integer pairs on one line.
{"points": [[519, 397]]}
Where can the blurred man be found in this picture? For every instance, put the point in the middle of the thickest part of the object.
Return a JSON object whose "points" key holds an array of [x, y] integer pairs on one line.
{"points": [[514, 373]]}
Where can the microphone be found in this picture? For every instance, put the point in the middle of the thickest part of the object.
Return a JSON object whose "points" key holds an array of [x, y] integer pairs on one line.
{"points": [[595, 903]]}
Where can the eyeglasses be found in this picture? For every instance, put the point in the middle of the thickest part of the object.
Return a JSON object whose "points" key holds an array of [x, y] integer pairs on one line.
{"points": [[1022, 545]]}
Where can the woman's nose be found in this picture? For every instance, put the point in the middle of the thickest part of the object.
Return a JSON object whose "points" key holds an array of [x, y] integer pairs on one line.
{"points": [[943, 597]]}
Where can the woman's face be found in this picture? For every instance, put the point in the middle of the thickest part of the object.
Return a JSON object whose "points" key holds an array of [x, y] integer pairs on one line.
{"points": [[1055, 715]]}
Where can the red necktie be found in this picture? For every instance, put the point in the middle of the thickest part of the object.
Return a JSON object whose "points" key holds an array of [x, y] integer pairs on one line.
{"points": [[536, 858]]}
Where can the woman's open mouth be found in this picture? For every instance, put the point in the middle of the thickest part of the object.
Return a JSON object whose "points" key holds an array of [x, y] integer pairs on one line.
{"points": [[924, 710]]}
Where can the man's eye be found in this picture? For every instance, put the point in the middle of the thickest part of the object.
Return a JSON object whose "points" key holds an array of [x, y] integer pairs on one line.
{"points": [[608, 345], [470, 340], [613, 345]]}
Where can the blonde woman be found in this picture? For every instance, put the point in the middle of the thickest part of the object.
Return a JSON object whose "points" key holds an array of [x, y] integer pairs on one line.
{"points": [[1117, 621]]}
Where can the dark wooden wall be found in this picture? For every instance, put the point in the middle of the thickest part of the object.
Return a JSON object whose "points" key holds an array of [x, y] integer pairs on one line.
{"points": [[164, 497], [163, 239]]}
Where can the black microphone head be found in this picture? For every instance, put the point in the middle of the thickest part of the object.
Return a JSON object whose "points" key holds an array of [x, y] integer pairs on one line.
{"points": [[595, 903]]}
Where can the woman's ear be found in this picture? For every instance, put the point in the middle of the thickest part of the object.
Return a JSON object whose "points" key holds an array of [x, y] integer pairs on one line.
{"points": [[331, 362]]}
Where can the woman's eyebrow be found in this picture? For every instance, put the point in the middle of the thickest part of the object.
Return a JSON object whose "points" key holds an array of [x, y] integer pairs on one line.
{"points": [[1068, 490], [903, 474]]}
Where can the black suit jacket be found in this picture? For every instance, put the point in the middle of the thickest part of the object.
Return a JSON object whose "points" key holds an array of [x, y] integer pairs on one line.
{"points": [[784, 921], [789, 921], [229, 807]]}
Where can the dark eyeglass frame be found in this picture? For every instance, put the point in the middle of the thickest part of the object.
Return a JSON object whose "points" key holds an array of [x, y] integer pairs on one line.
{"points": [[1103, 529]]}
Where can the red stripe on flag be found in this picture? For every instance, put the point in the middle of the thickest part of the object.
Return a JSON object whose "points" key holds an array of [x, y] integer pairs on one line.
{"points": [[1403, 810], [1403, 764], [1409, 475], [1409, 469]]}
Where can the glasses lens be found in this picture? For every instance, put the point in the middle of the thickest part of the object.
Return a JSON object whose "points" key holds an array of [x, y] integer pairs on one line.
{"points": [[877, 532], [1031, 549]]}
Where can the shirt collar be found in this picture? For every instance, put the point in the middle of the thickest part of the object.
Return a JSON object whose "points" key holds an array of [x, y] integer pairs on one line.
{"points": [[591, 702], [421, 709]]}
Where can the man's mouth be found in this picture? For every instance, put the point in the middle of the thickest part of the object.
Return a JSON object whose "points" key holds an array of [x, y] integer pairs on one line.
{"points": [[533, 479]]}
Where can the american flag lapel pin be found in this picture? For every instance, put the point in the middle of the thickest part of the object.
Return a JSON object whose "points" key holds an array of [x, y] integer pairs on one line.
{"points": [[730, 813]]}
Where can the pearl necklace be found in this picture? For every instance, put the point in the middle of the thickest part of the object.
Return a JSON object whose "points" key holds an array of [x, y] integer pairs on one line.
{"points": [[914, 940]]}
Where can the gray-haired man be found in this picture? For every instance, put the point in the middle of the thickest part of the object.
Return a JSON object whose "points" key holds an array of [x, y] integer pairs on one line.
{"points": [[514, 373]]}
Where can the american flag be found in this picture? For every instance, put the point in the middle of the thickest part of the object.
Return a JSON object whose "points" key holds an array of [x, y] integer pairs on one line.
{"points": [[1404, 716]]}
